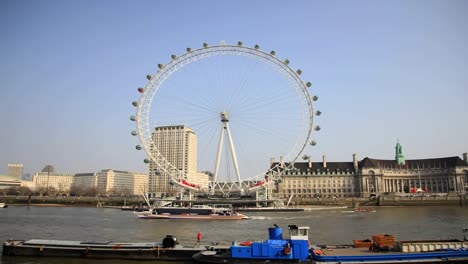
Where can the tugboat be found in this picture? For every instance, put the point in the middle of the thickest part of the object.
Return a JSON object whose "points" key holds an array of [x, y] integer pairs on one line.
{"points": [[275, 249]]}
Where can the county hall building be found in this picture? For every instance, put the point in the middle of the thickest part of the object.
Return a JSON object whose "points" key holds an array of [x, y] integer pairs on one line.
{"points": [[371, 177]]}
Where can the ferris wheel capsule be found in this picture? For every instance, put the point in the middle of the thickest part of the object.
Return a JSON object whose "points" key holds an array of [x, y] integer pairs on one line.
{"points": [[160, 66], [141, 90], [135, 103], [317, 113], [134, 133], [205, 45], [132, 118], [286, 61], [308, 84], [146, 161], [313, 143], [138, 147], [299, 72], [173, 56], [239, 43], [189, 49], [149, 77], [317, 128], [272, 53], [257, 47], [315, 98]]}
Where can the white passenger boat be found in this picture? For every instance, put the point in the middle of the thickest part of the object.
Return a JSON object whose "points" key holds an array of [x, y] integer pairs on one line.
{"points": [[222, 212]]}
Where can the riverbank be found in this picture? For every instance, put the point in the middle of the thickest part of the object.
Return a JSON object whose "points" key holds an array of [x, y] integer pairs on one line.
{"points": [[421, 200], [117, 202]]}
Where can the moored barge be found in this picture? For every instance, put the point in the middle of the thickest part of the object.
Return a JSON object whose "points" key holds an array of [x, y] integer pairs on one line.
{"points": [[167, 250], [383, 250]]}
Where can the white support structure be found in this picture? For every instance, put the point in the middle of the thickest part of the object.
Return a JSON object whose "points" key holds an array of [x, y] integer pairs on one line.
{"points": [[225, 127]]}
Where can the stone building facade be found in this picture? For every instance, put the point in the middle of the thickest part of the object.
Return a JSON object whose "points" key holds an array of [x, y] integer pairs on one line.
{"points": [[317, 179], [439, 175], [61, 182], [370, 177]]}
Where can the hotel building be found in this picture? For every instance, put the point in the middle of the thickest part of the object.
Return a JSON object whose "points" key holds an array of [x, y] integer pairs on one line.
{"points": [[178, 145]]}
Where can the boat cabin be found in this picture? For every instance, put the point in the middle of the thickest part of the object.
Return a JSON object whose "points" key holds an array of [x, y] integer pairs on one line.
{"points": [[298, 232], [276, 248]]}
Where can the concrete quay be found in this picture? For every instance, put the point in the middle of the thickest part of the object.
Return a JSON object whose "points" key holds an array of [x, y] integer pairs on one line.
{"points": [[302, 203]]}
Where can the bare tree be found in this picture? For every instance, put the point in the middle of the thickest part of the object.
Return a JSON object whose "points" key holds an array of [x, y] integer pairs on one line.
{"points": [[89, 191], [24, 190]]}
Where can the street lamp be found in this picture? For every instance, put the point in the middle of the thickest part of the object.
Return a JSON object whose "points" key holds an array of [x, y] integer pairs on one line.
{"points": [[47, 185]]}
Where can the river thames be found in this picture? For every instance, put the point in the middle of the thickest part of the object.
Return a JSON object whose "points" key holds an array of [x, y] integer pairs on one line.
{"points": [[328, 226]]}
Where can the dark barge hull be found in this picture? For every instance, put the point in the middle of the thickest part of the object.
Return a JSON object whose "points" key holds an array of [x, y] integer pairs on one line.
{"points": [[99, 250], [227, 259]]}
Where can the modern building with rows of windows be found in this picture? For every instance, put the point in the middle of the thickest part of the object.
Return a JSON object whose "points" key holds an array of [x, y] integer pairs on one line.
{"points": [[178, 145]]}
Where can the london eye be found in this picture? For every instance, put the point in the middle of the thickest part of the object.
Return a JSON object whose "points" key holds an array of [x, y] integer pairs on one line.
{"points": [[245, 105]]}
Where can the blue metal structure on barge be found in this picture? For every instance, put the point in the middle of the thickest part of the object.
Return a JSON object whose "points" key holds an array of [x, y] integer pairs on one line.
{"points": [[295, 248]]}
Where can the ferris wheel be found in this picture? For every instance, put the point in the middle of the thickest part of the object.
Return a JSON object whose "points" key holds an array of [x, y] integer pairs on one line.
{"points": [[246, 106]]}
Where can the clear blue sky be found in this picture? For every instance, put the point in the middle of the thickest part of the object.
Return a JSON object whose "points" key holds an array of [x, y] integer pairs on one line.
{"points": [[382, 69]]}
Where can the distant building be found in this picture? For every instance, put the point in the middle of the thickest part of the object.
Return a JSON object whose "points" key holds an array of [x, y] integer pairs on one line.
{"points": [[7, 181], [438, 175], [121, 182], [15, 170], [372, 177], [106, 182], [45, 182], [84, 180], [28, 184], [178, 145], [316, 179]]}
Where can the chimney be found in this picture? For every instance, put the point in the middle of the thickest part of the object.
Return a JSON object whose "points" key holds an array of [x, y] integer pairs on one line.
{"points": [[355, 162], [465, 158], [324, 161], [272, 160], [310, 162], [282, 161]]}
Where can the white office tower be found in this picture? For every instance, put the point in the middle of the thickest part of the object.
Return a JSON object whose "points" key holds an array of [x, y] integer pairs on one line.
{"points": [[178, 145], [15, 170]]}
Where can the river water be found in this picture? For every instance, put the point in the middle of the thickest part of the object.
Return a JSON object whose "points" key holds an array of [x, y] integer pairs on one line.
{"points": [[328, 226]]}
